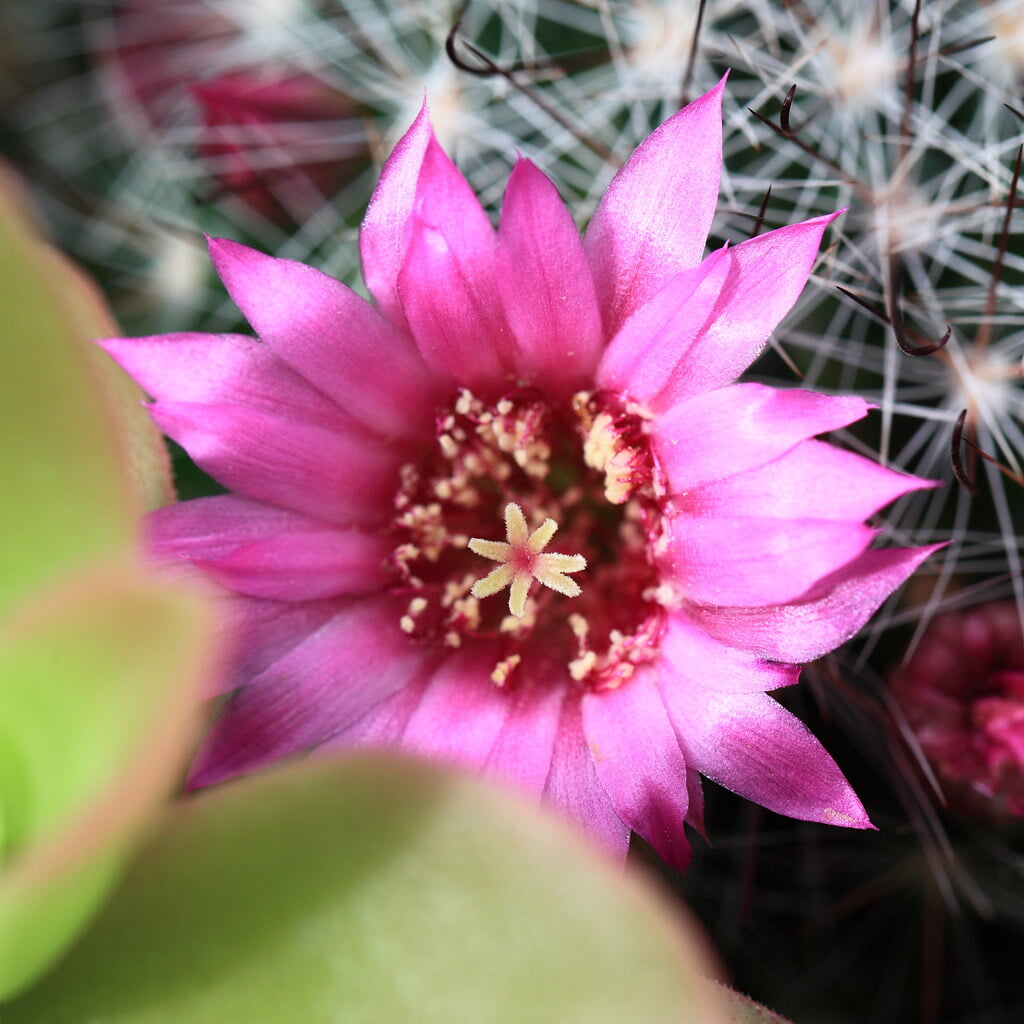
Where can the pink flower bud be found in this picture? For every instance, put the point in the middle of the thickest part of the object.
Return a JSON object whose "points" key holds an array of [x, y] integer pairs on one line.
{"points": [[963, 695]]}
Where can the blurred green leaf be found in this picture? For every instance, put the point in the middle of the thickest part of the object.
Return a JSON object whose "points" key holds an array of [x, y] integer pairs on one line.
{"points": [[374, 889], [99, 686], [143, 451], [77, 463], [100, 665]]}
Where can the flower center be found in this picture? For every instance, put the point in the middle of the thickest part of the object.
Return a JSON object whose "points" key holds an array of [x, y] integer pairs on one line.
{"points": [[583, 470]]}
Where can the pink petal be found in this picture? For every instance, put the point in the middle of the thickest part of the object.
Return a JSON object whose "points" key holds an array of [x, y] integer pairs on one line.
{"points": [[768, 273], [447, 285], [210, 528], [331, 336], [573, 787], [658, 335], [653, 220], [827, 617], [384, 235], [461, 713], [813, 480], [638, 760], [305, 565], [453, 311], [268, 552], [324, 474], [755, 561], [691, 656], [741, 427], [262, 632], [383, 725], [695, 790], [545, 285], [223, 368], [522, 752], [753, 746], [352, 663]]}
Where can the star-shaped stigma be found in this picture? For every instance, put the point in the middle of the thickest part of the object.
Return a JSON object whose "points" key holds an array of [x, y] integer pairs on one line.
{"points": [[524, 560]]}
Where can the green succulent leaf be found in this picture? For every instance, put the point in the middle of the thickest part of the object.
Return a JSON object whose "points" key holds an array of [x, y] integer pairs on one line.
{"points": [[374, 889], [100, 664], [77, 461], [99, 681]]}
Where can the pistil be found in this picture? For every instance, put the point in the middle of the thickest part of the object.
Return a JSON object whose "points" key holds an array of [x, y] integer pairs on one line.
{"points": [[523, 560]]}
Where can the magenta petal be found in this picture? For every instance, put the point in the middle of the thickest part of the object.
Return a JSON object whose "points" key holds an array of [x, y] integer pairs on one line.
{"points": [[522, 752], [262, 632], [750, 744], [766, 277], [461, 712], [657, 336], [331, 336], [653, 220], [269, 552], [454, 313], [304, 565], [222, 368], [740, 427], [756, 561], [352, 663], [693, 657], [260, 455], [447, 284], [812, 480], [573, 787], [384, 235], [209, 528], [827, 617], [383, 725], [545, 285], [638, 760], [695, 790]]}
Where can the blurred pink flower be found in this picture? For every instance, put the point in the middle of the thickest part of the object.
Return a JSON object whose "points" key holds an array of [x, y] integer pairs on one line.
{"points": [[277, 137], [284, 143], [963, 694], [377, 453], [147, 53]]}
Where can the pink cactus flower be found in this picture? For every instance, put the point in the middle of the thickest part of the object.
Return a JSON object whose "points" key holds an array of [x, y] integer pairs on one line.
{"points": [[399, 471], [963, 694]]}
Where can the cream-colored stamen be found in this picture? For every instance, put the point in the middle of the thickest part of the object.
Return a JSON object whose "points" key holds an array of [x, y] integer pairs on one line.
{"points": [[524, 560]]}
